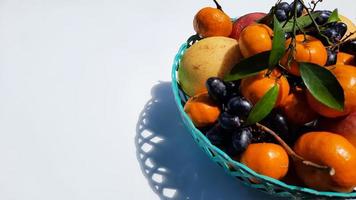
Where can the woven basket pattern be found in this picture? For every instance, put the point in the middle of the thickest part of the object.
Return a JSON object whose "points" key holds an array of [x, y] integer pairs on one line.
{"points": [[236, 169]]}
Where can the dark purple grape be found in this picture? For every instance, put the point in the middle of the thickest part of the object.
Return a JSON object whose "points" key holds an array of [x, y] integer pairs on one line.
{"points": [[277, 122], [331, 33], [229, 122], [281, 15], [217, 89], [323, 17], [239, 106], [341, 28], [335, 31], [349, 47], [241, 139], [309, 127], [216, 136], [332, 57], [230, 86], [233, 88], [299, 8], [284, 6], [229, 149], [261, 136]]}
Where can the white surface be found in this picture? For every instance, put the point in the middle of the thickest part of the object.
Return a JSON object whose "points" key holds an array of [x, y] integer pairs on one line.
{"points": [[75, 76]]}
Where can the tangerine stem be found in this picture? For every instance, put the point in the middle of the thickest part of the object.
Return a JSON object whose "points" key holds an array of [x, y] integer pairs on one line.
{"points": [[290, 151], [217, 5]]}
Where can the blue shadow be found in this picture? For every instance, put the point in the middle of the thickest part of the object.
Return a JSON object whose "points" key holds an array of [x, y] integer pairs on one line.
{"points": [[173, 164]]}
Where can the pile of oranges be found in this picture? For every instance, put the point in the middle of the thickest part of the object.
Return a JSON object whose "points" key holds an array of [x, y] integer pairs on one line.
{"points": [[299, 129]]}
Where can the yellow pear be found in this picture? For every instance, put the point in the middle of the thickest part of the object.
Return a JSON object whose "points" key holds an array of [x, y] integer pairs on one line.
{"points": [[351, 27], [210, 57]]}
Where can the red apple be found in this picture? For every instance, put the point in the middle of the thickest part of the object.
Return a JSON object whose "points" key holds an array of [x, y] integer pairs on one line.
{"points": [[345, 126], [244, 21]]}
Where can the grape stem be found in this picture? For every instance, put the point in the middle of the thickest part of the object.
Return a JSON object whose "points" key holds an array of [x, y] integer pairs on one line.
{"points": [[343, 41], [348, 36], [315, 3], [290, 151]]}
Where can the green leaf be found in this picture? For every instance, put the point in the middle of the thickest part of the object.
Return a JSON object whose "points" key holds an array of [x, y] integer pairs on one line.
{"points": [[302, 21], [334, 17], [323, 85], [278, 44], [249, 66], [264, 106]]}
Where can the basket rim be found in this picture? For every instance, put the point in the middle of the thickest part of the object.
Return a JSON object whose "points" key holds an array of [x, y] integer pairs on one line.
{"points": [[273, 181]]}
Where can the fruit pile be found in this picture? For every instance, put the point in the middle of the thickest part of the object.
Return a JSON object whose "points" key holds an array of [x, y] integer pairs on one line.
{"points": [[277, 91]]}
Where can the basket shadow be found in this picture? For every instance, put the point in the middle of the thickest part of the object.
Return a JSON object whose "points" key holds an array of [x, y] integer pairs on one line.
{"points": [[173, 164]]}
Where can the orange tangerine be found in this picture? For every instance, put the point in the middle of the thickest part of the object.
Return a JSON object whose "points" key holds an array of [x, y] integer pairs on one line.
{"points": [[328, 149], [307, 49], [254, 39], [202, 110], [267, 159], [346, 75], [253, 88], [210, 22]]}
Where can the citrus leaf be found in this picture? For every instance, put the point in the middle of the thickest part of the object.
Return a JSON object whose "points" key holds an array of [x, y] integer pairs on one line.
{"points": [[323, 85], [302, 21], [249, 66], [264, 106], [334, 17], [278, 44]]}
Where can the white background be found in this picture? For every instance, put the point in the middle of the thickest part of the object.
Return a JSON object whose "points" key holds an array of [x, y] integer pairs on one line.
{"points": [[76, 77]]}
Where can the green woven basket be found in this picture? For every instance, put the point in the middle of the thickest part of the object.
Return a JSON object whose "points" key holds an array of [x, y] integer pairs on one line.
{"points": [[237, 169]]}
